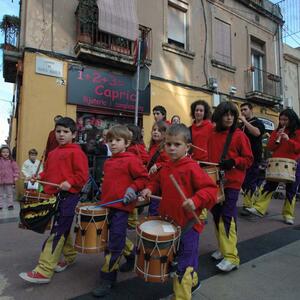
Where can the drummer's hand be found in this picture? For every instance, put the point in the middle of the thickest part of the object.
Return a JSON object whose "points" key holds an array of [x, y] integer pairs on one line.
{"points": [[33, 179], [153, 169], [284, 136], [146, 193], [189, 205], [65, 186]]}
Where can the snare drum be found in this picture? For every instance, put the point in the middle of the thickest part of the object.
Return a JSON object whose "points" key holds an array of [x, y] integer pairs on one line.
{"points": [[157, 243], [91, 228], [281, 170], [213, 173], [37, 211]]}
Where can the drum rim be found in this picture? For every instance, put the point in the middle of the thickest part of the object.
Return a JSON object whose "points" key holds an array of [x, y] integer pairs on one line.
{"points": [[156, 238]]}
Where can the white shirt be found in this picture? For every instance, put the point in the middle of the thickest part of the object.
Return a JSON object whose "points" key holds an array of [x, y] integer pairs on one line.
{"points": [[29, 168]]}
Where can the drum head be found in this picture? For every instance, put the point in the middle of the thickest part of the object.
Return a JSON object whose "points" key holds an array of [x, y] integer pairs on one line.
{"points": [[91, 210], [158, 227]]}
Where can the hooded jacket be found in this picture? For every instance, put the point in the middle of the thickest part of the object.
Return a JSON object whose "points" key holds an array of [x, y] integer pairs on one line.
{"points": [[239, 150], [140, 151], [200, 135], [65, 163], [9, 171], [121, 171], [195, 184]]}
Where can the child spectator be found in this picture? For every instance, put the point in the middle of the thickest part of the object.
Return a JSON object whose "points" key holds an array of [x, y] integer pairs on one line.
{"points": [[9, 174]]}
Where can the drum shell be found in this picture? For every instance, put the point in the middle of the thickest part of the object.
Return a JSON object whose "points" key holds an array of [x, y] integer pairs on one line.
{"points": [[156, 267], [213, 173], [91, 229], [281, 170]]}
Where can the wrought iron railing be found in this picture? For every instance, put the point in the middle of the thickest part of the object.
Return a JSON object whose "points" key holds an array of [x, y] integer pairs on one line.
{"points": [[263, 82], [10, 25], [89, 33]]}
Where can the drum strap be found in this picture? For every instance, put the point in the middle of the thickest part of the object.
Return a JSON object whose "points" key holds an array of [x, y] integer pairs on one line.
{"points": [[155, 156], [226, 146]]}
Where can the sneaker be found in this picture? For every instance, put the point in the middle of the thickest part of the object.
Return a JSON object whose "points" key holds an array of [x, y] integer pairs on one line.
{"points": [[103, 289], [34, 277], [61, 266], [127, 266], [289, 221], [226, 266], [254, 211], [217, 255], [11, 207]]}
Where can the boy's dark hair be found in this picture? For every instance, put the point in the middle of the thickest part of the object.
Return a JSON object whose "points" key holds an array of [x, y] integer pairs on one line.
{"points": [[67, 123], [207, 110], [136, 137], [6, 147], [33, 151], [222, 109], [161, 109], [119, 131], [250, 106], [180, 129], [294, 122]]}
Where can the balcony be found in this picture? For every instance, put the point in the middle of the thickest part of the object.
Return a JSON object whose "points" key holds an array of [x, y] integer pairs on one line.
{"points": [[97, 46], [10, 25], [262, 87]]}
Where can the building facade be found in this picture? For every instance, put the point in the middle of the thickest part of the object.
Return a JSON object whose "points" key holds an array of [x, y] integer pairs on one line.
{"points": [[77, 58]]}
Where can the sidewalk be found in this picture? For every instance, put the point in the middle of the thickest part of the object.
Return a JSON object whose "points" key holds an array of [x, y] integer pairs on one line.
{"points": [[273, 276]]}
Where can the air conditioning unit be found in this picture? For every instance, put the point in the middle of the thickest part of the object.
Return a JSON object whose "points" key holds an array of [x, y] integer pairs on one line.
{"points": [[213, 83]]}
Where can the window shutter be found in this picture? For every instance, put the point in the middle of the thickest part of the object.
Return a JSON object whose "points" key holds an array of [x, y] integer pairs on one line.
{"points": [[222, 42], [176, 25]]}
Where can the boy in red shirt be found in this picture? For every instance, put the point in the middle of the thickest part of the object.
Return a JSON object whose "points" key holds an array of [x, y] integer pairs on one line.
{"points": [[124, 176], [200, 192], [67, 166], [233, 163]]}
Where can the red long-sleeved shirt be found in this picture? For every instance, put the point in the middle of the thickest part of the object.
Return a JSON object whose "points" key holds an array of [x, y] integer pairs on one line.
{"points": [[195, 184], [239, 150], [65, 163], [285, 149], [140, 151], [121, 171], [163, 157], [200, 136]]}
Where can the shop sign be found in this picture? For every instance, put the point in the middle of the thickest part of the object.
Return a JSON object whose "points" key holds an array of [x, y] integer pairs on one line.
{"points": [[269, 125], [106, 89]]}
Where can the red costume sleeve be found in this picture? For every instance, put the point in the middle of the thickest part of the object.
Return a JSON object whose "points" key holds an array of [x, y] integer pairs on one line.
{"points": [[245, 158]]}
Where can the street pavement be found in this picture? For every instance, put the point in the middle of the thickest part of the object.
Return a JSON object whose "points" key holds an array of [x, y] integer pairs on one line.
{"points": [[268, 248]]}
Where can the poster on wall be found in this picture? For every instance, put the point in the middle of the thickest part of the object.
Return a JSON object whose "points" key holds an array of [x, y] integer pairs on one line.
{"points": [[105, 89]]}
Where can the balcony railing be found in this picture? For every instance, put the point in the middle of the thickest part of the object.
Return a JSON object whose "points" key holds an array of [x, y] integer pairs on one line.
{"points": [[10, 25], [89, 34], [262, 85]]}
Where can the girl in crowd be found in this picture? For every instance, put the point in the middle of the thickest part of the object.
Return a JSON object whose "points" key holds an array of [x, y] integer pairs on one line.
{"points": [[284, 143], [229, 147], [9, 174], [175, 119]]}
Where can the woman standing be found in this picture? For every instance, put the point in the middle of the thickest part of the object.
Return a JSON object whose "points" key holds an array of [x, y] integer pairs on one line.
{"points": [[284, 143]]}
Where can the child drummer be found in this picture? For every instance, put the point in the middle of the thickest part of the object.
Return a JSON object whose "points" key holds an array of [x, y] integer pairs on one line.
{"points": [[67, 166], [124, 176], [200, 192]]}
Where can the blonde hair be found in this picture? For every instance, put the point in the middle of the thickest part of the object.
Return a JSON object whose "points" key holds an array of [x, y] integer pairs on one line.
{"points": [[119, 131]]}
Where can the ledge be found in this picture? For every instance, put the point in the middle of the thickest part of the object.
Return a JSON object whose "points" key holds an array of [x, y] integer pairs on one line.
{"points": [[178, 50], [223, 66]]}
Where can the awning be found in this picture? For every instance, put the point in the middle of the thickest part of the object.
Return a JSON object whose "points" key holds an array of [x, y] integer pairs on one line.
{"points": [[119, 17]]}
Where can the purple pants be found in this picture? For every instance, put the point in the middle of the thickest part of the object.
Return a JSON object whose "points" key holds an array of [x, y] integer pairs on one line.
{"points": [[64, 218], [188, 252], [251, 180], [291, 188], [227, 209], [153, 207], [118, 220]]}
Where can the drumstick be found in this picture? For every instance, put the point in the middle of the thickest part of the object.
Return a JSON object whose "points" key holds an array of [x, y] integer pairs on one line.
{"points": [[48, 183], [207, 163], [111, 202], [201, 149], [180, 191], [40, 163], [155, 197]]}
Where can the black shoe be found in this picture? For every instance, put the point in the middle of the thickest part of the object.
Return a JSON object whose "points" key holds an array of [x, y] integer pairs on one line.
{"points": [[103, 289], [11, 207], [127, 266]]}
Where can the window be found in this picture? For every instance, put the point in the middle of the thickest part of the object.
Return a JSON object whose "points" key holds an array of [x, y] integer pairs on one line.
{"points": [[222, 42], [257, 62], [177, 24]]}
